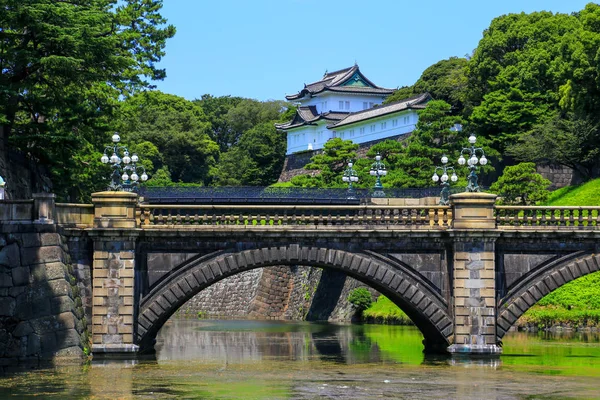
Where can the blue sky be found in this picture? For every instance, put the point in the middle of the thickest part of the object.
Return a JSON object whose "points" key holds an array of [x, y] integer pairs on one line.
{"points": [[264, 49]]}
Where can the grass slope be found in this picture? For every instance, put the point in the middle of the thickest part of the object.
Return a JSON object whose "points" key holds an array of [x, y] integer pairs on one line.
{"points": [[578, 302], [385, 312]]}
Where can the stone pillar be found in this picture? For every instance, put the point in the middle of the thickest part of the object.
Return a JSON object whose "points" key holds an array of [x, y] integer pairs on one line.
{"points": [[474, 275], [44, 208], [115, 236]]}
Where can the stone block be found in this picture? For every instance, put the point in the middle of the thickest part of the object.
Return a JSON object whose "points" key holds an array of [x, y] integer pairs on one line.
{"points": [[7, 306], [55, 270], [34, 345], [6, 280], [50, 239], [31, 240], [60, 288], [10, 255], [20, 276], [474, 265], [48, 343], [62, 304], [67, 338], [23, 328], [473, 284], [30, 256], [99, 310]]}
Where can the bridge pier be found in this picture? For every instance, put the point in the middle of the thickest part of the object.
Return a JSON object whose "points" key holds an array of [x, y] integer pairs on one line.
{"points": [[474, 274], [115, 237]]}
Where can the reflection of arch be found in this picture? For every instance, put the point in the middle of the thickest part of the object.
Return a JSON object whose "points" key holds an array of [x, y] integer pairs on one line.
{"points": [[535, 286], [425, 307]]}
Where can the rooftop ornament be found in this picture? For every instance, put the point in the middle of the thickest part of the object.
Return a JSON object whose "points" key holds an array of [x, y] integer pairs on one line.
{"points": [[444, 169], [378, 170], [125, 169], [350, 177], [472, 161]]}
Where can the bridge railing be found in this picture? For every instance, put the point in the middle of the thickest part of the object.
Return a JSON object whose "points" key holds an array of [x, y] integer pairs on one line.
{"points": [[16, 211], [77, 215], [386, 217], [536, 217]]}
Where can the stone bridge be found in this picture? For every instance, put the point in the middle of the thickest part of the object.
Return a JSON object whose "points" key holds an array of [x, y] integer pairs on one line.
{"points": [[463, 273]]}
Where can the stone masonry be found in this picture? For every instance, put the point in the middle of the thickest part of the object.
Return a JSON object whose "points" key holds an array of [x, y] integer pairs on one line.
{"points": [[113, 272], [41, 313]]}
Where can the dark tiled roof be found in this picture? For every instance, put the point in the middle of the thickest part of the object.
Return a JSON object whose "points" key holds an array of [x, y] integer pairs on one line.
{"points": [[359, 89], [333, 80], [415, 102], [308, 115]]}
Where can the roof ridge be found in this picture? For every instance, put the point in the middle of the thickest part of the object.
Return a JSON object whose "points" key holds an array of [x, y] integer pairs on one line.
{"points": [[339, 71]]}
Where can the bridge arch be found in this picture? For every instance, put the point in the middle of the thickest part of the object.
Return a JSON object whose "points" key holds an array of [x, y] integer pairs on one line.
{"points": [[425, 306], [533, 287]]}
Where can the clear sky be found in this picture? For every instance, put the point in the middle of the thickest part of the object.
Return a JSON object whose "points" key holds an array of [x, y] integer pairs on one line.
{"points": [[265, 49]]}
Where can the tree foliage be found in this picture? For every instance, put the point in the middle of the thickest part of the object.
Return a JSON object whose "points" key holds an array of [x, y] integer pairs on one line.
{"points": [[521, 184], [570, 141], [360, 298], [528, 67], [256, 160], [174, 132], [63, 67], [330, 164], [445, 80]]}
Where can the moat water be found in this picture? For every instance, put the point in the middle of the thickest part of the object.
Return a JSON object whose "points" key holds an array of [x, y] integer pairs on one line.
{"points": [[204, 359]]}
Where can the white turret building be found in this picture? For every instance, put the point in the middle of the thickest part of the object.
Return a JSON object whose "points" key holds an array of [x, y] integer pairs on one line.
{"points": [[347, 105]]}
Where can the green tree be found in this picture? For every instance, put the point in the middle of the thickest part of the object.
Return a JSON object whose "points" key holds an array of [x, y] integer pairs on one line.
{"points": [[570, 141], [529, 66], [247, 114], [330, 164], [422, 151], [521, 184], [445, 80], [63, 66], [216, 109], [176, 127], [361, 299], [256, 160]]}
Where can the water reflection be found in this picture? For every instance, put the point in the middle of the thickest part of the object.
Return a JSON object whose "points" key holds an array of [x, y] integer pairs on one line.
{"points": [[251, 359], [251, 341]]}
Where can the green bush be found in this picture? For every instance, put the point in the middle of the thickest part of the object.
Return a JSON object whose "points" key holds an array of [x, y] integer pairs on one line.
{"points": [[360, 298], [386, 312]]}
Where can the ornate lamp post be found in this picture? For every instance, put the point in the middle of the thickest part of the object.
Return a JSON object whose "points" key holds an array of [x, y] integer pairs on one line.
{"points": [[378, 170], [350, 177], [444, 200], [124, 166], [472, 162]]}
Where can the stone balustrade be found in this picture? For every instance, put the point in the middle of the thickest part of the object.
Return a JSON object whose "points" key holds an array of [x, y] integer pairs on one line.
{"points": [[16, 211], [387, 217], [75, 215], [538, 217]]}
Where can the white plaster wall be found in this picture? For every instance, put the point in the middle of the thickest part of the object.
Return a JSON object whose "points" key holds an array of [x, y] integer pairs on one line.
{"points": [[333, 101], [298, 139], [353, 132]]}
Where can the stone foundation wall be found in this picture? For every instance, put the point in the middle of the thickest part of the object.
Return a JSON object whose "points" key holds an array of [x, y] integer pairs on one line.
{"points": [[229, 298], [279, 293], [559, 175], [41, 312]]}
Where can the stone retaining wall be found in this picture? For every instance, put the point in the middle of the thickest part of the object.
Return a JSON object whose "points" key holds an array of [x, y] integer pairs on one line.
{"points": [[279, 293], [559, 175], [41, 312]]}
